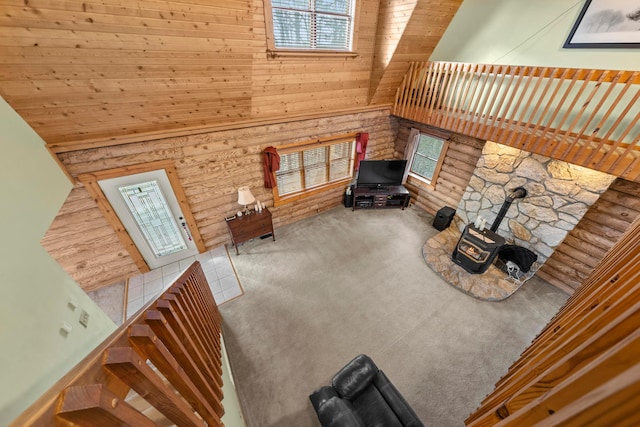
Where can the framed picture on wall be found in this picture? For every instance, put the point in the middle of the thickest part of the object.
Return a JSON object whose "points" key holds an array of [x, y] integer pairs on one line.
{"points": [[606, 24]]}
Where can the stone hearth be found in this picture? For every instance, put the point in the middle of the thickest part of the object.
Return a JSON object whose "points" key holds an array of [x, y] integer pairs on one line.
{"points": [[492, 285], [558, 195]]}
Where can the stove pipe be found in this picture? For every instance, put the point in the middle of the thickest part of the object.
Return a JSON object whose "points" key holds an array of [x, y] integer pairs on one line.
{"points": [[515, 194]]}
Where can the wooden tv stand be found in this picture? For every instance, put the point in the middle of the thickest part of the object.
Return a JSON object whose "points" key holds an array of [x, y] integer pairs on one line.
{"points": [[391, 197]]}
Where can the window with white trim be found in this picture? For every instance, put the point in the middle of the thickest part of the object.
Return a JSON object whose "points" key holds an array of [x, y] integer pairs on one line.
{"points": [[425, 161], [314, 25], [314, 166]]}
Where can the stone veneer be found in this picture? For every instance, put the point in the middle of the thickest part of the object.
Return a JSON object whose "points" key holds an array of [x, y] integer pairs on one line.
{"points": [[558, 196]]}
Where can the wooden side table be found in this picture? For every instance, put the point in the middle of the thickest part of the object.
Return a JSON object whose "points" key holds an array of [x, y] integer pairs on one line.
{"points": [[250, 226]]}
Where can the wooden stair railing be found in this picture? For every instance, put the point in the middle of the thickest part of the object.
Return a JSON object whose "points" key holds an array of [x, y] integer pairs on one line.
{"points": [[584, 367], [586, 117], [169, 353]]}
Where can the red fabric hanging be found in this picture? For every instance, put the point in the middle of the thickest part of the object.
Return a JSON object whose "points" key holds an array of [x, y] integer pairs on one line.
{"points": [[362, 139], [271, 163]]}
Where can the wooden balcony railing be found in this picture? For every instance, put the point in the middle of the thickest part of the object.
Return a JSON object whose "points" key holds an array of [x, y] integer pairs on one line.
{"points": [[585, 117], [584, 367], [169, 354]]}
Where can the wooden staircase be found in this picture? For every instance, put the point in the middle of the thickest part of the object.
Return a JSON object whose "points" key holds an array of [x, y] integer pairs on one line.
{"points": [[162, 367]]}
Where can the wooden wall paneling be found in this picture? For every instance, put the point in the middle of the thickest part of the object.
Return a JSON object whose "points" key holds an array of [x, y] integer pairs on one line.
{"points": [[210, 167], [603, 224], [112, 218], [583, 248], [414, 44], [457, 167], [147, 69], [290, 85], [81, 240], [125, 68], [393, 17]]}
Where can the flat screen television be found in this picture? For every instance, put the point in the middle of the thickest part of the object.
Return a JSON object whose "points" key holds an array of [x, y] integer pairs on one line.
{"points": [[380, 173]]}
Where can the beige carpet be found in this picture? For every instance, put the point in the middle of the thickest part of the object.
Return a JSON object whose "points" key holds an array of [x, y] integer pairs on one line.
{"points": [[343, 283]]}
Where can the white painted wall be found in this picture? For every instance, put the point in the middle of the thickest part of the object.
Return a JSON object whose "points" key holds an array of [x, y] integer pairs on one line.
{"points": [[233, 416], [35, 289], [524, 32]]}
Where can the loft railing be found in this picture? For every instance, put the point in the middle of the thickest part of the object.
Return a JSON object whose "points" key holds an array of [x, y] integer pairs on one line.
{"points": [[585, 117], [168, 357], [583, 368]]}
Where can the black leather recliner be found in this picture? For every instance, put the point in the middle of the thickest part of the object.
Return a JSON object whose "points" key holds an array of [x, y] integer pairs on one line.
{"points": [[361, 395]]}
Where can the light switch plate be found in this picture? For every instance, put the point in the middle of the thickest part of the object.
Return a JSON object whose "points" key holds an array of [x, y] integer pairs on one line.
{"points": [[84, 318]]}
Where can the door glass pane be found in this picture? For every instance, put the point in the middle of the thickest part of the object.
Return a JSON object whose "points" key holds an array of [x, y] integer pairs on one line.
{"points": [[152, 215]]}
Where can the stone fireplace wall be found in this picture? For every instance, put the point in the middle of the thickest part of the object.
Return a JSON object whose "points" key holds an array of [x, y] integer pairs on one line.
{"points": [[558, 195]]}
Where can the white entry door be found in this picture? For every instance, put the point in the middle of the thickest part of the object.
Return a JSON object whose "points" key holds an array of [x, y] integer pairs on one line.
{"points": [[149, 211]]}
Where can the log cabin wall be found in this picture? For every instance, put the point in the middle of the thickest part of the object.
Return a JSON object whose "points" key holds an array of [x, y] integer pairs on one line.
{"points": [[86, 74], [211, 166], [82, 71], [458, 166], [585, 245], [146, 76], [598, 231]]}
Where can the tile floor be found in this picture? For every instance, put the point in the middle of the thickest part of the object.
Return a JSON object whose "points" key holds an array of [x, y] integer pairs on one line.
{"points": [[215, 264]]}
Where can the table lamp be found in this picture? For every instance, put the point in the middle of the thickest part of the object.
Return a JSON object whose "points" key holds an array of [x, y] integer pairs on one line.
{"points": [[245, 198]]}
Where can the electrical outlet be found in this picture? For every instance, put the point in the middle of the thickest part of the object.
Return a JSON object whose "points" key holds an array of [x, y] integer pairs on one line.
{"points": [[84, 318]]}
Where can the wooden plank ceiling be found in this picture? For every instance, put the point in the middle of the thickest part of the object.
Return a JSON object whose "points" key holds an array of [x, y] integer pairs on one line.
{"points": [[99, 72], [408, 30]]}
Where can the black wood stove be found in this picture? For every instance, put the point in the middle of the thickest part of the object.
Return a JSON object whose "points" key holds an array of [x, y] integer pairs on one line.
{"points": [[476, 249]]}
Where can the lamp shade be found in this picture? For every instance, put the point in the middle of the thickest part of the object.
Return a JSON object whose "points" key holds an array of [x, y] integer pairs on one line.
{"points": [[245, 197]]}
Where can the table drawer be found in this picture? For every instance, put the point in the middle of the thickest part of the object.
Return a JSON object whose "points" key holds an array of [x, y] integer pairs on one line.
{"points": [[252, 232], [251, 226]]}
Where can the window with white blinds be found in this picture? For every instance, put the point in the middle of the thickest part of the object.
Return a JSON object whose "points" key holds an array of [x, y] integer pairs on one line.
{"points": [[310, 168], [313, 24]]}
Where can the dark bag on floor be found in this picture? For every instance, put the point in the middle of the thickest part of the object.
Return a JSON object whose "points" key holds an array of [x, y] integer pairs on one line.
{"points": [[523, 257]]}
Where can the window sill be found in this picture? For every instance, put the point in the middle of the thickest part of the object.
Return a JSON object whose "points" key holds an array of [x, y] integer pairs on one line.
{"points": [[289, 198], [420, 181], [293, 53]]}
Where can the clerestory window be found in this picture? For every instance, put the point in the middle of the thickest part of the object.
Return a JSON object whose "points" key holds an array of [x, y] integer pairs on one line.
{"points": [[310, 25]]}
